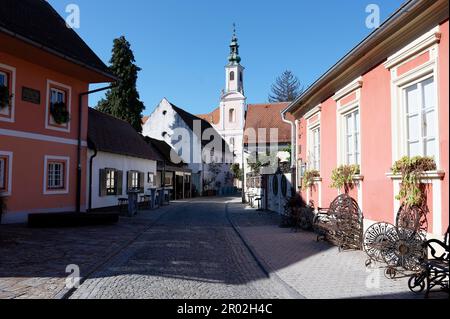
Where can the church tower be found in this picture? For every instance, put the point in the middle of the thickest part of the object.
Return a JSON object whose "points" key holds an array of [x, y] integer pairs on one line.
{"points": [[234, 70], [233, 101]]}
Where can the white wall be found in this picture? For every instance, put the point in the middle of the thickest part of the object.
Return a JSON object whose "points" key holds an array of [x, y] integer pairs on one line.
{"points": [[121, 163], [158, 123]]}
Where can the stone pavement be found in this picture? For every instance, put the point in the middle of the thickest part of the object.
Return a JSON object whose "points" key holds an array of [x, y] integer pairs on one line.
{"points": [[190, 253], [33, 261], [316, 270]]}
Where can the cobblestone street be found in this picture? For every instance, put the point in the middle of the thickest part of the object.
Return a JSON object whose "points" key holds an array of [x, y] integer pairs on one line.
{"points": [[187, 250]]}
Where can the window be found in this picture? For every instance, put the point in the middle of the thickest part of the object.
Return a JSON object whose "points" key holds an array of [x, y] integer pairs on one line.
{"points": [[232, 76], [111, 179], [3, 79], [57, 96], [7, 80], [57, 93], [134, 180], [168, 181], [352, 150], [420, 106], [241, 77], [3, 173], [55, 175], [315, 148], [232, 115], [232, 142]]}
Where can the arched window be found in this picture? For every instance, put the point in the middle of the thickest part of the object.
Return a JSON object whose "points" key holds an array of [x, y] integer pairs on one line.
{"points": [[241, 77], [232, 116], [232, 76]]}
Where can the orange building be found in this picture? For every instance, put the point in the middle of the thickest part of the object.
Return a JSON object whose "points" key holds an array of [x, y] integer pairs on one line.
{"points": [[386, 99], [46, 69]]}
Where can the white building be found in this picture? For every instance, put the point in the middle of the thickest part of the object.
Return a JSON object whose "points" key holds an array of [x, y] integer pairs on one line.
{"points": [[229, 118], [118, 160], [198, 144]]}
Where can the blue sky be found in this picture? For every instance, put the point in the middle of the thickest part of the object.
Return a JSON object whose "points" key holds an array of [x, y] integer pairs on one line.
{"points": [[182, 45]]}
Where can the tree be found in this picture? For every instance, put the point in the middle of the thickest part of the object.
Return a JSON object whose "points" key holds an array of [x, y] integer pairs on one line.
{"points": [[122, 101], [286, 88], [237, 171]]}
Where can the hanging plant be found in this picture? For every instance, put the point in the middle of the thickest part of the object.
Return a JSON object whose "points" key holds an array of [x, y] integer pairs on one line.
{"points": [[5, 97], [59, 113], [343, 177], [308, 178], [412, 169]]}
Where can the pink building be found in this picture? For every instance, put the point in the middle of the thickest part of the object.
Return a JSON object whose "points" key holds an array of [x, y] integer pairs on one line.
{"points": [[45, 70], [386, 99]]}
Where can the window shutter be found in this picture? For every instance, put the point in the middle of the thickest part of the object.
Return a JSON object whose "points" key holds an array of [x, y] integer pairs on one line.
{"points": [[119, 182], [141, 182], [102, 188]]}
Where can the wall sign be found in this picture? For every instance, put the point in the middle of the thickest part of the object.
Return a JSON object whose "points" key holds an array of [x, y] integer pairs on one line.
{"points": [[31, 95]]}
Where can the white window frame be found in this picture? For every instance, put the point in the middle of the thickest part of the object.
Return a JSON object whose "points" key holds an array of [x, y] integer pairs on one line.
{"points": [[9, 156], [422, 139], [313, 125], [135, 178], [110, 179], [53, 85], [342, 111], [427, 42], [356, 153], [54, 183], [5, 117], [50, 158], [314, 163]]}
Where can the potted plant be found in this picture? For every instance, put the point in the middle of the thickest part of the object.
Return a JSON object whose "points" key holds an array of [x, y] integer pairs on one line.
{"points": [[5, 97], [59, 113], [309, 178], [344, 177], [412, 169]]}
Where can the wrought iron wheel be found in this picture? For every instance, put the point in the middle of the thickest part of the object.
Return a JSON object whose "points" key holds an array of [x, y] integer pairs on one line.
{"points": [[404, 248], [376, 240], [413, 218]]}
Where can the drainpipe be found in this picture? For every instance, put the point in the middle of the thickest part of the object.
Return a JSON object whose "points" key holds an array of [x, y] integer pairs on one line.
{"points": [[91, 163], [293, 147], [80, 128]]}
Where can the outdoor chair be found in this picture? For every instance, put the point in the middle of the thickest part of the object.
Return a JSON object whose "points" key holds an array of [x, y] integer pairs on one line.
{"points": [[435, 268], [341, 223]]}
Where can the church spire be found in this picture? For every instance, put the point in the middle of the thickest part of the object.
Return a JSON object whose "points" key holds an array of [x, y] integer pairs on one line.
{"points": [[234, 57]]}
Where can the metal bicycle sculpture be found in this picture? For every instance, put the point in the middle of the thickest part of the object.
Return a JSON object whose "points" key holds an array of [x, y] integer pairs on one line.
{"points": [[400, 246]]}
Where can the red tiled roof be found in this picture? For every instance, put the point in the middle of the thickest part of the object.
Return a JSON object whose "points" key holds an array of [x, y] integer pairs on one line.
{"points": [[268, 116], [37, 21], [212, 118]]}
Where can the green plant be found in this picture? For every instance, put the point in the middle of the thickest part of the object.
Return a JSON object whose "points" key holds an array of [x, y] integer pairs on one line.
{"points": [[412, 169], [5, 97], [308, 178], [343, 177], [237, 172], [59, 112]]}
